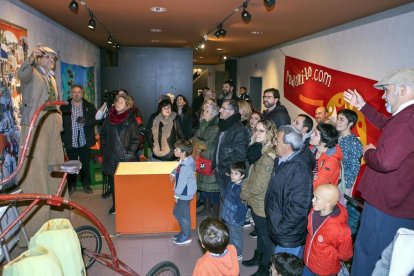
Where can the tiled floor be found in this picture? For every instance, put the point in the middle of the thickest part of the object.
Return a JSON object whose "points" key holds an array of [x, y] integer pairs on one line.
{"points": [[141, 252]]}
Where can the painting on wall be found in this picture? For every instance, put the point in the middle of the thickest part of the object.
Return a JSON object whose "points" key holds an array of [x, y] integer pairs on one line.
{"points": [[14, 50], [75, 74]]}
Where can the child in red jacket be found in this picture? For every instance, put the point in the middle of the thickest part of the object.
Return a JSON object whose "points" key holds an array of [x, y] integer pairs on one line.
{"points": [[329, 238]]}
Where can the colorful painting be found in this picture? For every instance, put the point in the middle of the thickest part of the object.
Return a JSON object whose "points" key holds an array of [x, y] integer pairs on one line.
{"points": [[13, 51], [76, 74]]}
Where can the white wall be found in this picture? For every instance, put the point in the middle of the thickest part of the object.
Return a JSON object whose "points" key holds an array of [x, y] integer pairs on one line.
{"points": [[70, 47], [369, 47]]}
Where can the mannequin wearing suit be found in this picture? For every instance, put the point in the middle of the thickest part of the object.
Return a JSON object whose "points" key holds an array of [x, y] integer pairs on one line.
{"points": [[38, 86]]}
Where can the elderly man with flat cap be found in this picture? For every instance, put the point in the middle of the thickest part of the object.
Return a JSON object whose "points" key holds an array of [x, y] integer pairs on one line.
{"points": [[38, 85], [387, 184]]}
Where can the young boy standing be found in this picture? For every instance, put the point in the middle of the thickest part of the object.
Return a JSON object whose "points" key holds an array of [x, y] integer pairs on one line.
{"points": [[220, 258], [233, 212], [329, 238], [184, 190]]}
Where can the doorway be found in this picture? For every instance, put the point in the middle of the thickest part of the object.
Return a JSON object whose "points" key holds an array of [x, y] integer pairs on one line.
{"points": [[256, 92]]}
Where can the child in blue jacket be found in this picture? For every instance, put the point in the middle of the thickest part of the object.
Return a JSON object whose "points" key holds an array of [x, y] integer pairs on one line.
{"points": [[184, 190], [233, 211]]}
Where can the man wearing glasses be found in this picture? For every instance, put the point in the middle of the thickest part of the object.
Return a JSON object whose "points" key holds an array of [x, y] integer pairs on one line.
{"points": [[275, 111], [387, 184], [232, 141]]}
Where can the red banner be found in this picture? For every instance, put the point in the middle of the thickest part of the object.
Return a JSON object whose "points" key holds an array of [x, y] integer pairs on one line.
{"points": [[310, 85]]}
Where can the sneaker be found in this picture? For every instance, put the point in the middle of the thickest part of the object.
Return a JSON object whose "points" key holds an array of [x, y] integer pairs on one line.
{"points": [[247, 223], [239, 258], [176, 236], [87, 189], [253, 234], [183, 240], [111, 211]]}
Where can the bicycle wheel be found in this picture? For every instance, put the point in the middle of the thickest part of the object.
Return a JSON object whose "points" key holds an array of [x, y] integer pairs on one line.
{"points": [[165, 268], [89, 239]]}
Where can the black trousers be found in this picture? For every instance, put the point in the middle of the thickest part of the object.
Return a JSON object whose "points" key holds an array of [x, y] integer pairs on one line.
{"points": [[83, 155]]}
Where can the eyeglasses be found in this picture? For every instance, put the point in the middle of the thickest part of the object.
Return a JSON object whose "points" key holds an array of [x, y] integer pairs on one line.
{"points": [[229, 109], [260, 130], [166, 107], [267, 97]]}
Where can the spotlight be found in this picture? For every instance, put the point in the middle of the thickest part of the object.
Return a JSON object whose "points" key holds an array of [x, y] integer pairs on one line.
{"points": [[92, 23], [217, 33], [73, 6], [110, 39], [202, 45], [223, 58], [223, 32], [245, 15], [114, 44], [269, 3]]}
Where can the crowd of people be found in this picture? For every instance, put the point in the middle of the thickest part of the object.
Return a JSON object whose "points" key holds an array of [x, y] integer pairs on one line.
{"points": [[290, 175]]}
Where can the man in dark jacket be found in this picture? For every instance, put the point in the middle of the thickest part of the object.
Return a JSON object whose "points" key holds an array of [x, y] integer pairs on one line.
{"points": [[79, 135], [231, 143], [288, 197], [275, 111]]}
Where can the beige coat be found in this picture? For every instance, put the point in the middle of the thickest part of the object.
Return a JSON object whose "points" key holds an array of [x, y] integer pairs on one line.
{"points": [[45, 147], [255, 187]]}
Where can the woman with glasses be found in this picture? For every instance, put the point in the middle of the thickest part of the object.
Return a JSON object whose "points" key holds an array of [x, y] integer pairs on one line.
{"points": [[261, 155], [165, 131]]}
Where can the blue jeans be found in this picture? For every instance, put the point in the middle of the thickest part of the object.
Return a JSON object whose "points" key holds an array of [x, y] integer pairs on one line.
{"points": [[375, 233], [236, 237], [297, 251], [182, 214], [307, 272]]}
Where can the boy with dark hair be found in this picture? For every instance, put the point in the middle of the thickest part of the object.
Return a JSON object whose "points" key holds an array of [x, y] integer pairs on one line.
{"points": [[233, 212], [220, 258], [285, 264], [184, 190], [329, 238]]}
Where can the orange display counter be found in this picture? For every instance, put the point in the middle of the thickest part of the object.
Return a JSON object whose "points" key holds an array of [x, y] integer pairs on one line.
{"points": [[145, 198]]}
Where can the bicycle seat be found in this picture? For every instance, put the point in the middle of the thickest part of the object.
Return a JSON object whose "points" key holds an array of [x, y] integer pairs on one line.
{"points": [[71, 167]]}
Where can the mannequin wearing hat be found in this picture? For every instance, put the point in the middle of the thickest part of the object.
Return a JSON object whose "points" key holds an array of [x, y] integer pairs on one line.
{"points": [[38, 85], [387, 184]]}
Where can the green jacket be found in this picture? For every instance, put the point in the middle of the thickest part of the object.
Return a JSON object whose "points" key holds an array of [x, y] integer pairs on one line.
{"points": [[205, 138], [255, 187]]}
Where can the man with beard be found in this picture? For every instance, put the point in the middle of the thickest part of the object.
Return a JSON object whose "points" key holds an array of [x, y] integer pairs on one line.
{"points": [[232, 141], [275, 111], [387, 184], [227, 92]]}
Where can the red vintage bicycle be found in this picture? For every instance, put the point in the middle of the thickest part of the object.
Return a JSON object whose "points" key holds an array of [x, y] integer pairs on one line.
{"points": [[90, 237]]}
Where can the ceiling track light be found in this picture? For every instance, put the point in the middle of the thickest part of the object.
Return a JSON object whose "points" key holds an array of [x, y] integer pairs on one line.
{"points": [[223, 32], [223, 58], [269, 3], [110, 39], [92, 23], [245, 15], [73, 6]]}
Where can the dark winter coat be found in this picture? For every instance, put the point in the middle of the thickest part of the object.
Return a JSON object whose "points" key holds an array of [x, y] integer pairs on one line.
{"points": [[119, 143], [89, 112], [288, 199], [279, 115], [233, 147]]}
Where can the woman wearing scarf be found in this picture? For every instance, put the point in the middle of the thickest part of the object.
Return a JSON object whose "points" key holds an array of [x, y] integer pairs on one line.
{"points": [[120, 138], [165, 131], [261, 155]]}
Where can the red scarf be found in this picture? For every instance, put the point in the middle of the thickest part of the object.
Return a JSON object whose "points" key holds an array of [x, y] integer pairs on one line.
{"points": [[116, 118]]}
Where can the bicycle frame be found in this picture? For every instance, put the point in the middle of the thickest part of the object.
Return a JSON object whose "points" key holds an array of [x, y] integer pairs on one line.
{"points": [[111, 261]]}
